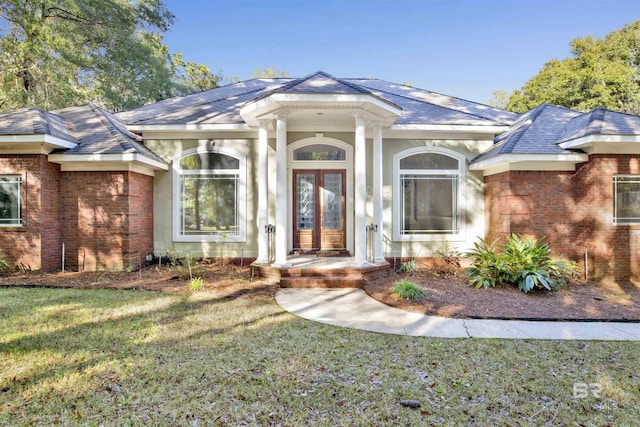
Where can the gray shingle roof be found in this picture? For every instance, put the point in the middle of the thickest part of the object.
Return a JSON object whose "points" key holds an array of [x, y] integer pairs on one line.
{"points": [[215, 106], [33, 121], [425, 107], [321, 82], [602, 122], [535, 132], [99, 132], [222, 105]]}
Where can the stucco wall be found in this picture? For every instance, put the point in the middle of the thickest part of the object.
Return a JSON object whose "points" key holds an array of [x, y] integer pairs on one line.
{"points": [[163, 194]]}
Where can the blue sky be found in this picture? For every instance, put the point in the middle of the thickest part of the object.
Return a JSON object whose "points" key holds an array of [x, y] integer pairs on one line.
{"points": [[462, 48]]}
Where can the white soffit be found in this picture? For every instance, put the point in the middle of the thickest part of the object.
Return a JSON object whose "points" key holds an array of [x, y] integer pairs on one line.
{"points": [[92, 162], [614, 144], [529, 162], [30, 144], [373, 107]]}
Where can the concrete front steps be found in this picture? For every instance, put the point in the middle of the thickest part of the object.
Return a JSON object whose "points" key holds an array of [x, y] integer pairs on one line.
{"points": [[321, 272]]}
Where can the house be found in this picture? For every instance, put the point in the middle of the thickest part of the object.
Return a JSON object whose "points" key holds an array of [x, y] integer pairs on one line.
{"points": [[359, 166]]}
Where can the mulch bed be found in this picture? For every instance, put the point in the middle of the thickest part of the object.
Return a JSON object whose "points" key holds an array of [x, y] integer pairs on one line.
{"points": [[449, 295]]}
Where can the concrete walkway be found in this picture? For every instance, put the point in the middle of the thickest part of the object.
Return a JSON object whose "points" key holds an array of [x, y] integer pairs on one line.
{"points": [[353, 308]]}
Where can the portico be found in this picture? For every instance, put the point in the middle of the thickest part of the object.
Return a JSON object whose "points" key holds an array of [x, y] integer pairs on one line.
{"points": [[320, 104]]}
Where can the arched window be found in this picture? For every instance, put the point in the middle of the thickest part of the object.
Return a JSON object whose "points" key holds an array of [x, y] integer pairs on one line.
{"points": [[428, 192], [210, 191]]}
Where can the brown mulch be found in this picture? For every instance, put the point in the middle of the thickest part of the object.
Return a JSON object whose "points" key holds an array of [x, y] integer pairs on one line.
{"points": [[222, 281], [449, 295], [447, 292]]}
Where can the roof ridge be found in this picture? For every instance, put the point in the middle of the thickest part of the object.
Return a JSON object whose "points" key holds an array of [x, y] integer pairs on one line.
{"points": [[438, 105], [534, 114], [122, 139], [300, 80]]}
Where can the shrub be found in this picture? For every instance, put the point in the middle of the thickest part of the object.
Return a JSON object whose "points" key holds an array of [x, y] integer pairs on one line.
{"points": [[524, 262], [408, 267], [408, 290], [4, 264], [196, 284]]}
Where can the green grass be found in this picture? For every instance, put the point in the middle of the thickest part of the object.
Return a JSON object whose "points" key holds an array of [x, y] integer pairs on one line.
{"points": [[97, 357], [406, 289]]}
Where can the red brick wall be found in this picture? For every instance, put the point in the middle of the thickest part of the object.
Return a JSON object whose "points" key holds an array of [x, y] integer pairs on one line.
{"points": [[140, 217], [36, 244], [108, 219], [574, 210]]}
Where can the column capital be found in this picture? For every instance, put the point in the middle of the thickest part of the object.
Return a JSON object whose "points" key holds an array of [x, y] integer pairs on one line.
{"points": [[264, 123], [282, 114]]}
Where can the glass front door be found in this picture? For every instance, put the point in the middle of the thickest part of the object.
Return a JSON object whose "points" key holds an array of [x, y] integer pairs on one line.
{"points": [[319, 209]]}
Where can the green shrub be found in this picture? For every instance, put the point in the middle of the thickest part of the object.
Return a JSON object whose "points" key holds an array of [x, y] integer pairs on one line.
{"points": [[524, 262], [196, 284], [408, 267], [408, 290], [4, 264]]}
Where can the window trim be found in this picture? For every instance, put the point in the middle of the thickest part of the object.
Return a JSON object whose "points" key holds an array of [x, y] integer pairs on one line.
{"points": [[20, 182], [615, 200], [397, 193], [241, 190]]}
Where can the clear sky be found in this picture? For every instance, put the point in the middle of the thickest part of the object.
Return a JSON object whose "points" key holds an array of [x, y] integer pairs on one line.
{"points": [[463, 48]]}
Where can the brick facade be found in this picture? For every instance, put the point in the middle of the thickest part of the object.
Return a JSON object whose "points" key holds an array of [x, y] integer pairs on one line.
{"points": [[108, 219], [36, 244], [573, 210], [104, 219]]}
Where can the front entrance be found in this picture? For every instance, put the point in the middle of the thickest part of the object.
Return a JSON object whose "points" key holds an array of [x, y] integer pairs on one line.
{"points": [[319, 210]]}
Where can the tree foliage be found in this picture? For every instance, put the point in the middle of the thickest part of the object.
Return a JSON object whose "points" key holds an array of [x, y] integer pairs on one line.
{"points": [[54, 53], [599, 73], [269, 73]]}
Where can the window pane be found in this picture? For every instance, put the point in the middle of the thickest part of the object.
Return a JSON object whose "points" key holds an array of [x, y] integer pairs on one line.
{"points": [[319, 152], [429, 161], [10, 200], [429, 204], [332, 201], [305, 214], [209, 161], [209, 205], [627, 202]]}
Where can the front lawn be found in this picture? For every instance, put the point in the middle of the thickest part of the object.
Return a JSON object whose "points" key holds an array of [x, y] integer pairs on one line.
{"points": [[126, 357]]}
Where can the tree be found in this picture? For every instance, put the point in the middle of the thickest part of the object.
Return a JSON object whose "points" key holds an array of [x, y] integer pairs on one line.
{"points": [[191, 77], [55, 53], [499, 99], [269, 73], [600, 73]]}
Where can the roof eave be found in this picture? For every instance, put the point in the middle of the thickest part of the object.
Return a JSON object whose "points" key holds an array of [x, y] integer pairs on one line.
{"points": [[528, 162], [116, 158]]}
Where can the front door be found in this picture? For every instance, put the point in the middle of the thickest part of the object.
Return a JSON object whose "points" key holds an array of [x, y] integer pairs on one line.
{"points": [[319, 209]]}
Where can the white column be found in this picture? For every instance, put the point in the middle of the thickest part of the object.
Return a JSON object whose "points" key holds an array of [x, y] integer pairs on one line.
{"points": [[378, 255], [263, 192], [282, 231], [360, 167]]}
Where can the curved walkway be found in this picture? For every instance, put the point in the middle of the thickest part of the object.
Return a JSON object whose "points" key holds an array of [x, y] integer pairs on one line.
{"points": [[353, 308]]}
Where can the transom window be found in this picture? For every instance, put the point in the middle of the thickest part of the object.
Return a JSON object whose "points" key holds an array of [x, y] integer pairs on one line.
{"points": [[428, 186], [210, 195], [626, 190], [319, 152], [10, 200]]}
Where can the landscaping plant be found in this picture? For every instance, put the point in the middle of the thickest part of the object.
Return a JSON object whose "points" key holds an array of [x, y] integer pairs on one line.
{"points": [[523, 261], [408, 290], [4, 264], [196, 284]]}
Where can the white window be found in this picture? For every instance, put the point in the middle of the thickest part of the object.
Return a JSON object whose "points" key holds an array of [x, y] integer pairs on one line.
{"points": [[209, 196], [10, 200], [428, 194], [626, 200]]}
